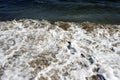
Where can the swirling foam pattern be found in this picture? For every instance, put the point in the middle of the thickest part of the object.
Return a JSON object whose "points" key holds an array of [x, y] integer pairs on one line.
{"points": [[39, 50]]}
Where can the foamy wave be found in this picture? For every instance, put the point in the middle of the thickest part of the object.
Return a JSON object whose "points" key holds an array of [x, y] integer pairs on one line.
{"points": [[39, 50]]}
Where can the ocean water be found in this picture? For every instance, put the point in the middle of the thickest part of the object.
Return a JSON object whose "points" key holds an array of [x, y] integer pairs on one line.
{"points": [[99, 11], [32, 48]]}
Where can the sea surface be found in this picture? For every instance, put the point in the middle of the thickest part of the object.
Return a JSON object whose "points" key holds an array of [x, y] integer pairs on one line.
{"points": [[36, 42], [98, 11]]}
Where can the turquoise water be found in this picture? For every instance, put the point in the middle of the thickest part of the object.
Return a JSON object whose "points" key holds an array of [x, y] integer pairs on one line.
{"points": [[104, 11]]}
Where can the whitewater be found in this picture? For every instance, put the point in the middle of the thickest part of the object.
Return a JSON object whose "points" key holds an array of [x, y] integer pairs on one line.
{"points": [[40, 50]]}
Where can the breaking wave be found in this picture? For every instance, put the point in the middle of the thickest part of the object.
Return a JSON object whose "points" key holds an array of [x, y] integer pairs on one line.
{"points": [[39, 50]]}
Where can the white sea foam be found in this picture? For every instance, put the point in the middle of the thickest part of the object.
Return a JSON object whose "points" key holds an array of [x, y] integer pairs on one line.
{"points": [[38, 50]]}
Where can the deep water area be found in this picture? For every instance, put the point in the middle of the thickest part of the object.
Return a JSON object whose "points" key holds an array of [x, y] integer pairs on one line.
{"points": [[97, 11]]}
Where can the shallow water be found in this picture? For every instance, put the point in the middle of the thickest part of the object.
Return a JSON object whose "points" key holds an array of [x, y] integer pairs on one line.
{"points": [[38, 50], [104, 11]]}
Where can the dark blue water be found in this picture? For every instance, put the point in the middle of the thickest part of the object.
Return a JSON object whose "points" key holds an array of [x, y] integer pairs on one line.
{"points": [[99, 11]]}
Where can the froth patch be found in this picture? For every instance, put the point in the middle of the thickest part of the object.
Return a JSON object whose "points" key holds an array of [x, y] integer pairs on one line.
{"points": [[38, 50]]}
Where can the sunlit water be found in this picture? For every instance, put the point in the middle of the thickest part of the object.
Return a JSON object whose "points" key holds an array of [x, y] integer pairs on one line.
{"points": [[38, 50]]}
